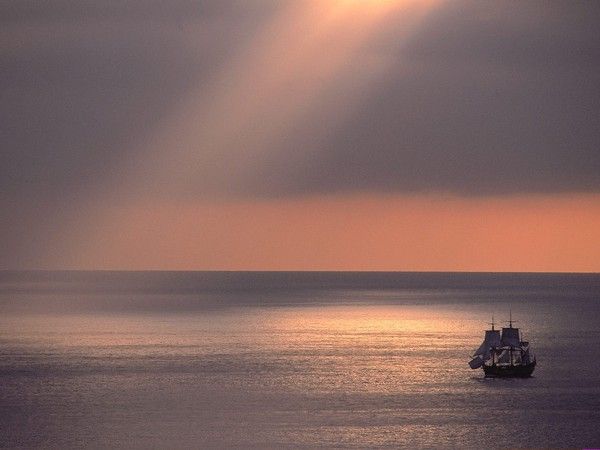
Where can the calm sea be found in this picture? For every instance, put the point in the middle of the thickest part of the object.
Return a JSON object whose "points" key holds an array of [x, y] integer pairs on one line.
{"points": [[280, 360]]}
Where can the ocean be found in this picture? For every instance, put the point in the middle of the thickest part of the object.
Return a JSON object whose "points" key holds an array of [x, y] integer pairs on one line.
{"points": [[292, 360]]}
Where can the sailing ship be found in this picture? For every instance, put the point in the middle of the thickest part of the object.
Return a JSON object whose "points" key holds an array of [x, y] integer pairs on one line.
{"points": [[504, 354]]}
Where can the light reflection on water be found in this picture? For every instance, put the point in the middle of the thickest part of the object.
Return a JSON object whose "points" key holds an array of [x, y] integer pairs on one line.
{"points": [[351, 375]]}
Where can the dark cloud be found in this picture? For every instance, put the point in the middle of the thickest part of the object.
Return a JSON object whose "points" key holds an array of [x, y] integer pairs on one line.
{"points": [[32, 11], [527, 36], [72, 96], [489, 98], [79, 82]]}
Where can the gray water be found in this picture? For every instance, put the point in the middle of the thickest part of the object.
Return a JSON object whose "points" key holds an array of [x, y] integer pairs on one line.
{"points": [[278, 360]]}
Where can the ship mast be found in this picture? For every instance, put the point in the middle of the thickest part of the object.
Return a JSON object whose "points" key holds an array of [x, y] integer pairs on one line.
{"points": [[493, 352], [510, 325]]}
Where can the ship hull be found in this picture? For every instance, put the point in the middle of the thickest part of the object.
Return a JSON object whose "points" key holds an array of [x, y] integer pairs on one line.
{"points": [[495, 371]]}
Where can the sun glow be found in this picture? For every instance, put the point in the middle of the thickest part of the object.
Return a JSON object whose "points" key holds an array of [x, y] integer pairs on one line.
{"points": [[343, 233], [300, 67], [378, 7]]}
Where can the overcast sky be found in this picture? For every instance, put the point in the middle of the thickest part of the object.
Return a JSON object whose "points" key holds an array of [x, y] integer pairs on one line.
{"points": [[107, 100]]}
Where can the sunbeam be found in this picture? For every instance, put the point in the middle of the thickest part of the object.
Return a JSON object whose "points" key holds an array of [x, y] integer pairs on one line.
{"points": [[294, 69]]}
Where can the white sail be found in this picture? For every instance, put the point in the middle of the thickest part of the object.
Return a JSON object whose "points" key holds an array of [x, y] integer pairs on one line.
{"points": [[516, 357], [504, 357]]}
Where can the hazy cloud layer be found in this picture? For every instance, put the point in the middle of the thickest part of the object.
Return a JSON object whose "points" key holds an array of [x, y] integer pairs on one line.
{"points": [[81, 80], [486, 98]]}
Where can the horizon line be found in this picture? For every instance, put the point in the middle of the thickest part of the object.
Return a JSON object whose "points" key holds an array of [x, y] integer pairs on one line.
{"points": [[304, 271]]}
